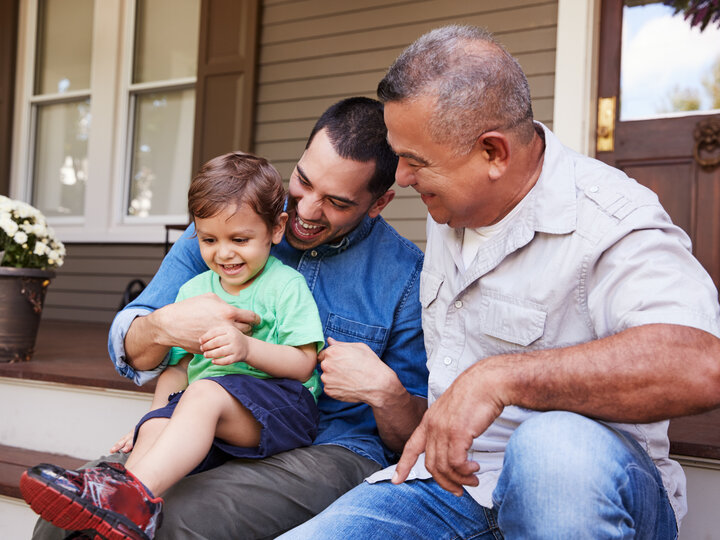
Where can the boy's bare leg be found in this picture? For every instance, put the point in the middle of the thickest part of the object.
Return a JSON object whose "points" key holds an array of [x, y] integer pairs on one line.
{"points": [[205, 411], [147, 436]]}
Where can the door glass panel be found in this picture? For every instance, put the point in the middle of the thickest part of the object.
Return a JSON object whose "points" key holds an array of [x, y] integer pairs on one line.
{"points": [[64, 45], [668, 68], [166, 38], [162, 153], [60, 165]]}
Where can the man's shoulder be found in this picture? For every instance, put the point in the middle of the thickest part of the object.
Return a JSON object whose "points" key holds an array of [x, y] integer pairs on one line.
{"points": [[386, 239]]}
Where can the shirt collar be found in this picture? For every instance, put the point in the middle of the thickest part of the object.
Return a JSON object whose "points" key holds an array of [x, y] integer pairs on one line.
{"points": [[553, 207]]}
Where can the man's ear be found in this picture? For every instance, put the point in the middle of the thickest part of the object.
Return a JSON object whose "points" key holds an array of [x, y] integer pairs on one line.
{"points": [[381, 202], [495, 147], [279, 228]]}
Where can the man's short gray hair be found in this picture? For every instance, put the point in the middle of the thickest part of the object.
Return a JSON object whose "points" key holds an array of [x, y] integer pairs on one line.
{"points": [[476, 89]]}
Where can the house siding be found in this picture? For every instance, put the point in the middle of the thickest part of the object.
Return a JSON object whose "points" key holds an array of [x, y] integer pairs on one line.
{"points": [[311, 54]]}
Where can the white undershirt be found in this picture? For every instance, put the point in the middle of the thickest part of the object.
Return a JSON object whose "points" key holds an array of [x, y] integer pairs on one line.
{"points": [[474, 238]]}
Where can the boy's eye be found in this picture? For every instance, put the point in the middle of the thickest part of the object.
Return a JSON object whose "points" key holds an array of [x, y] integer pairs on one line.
{"points": [[208, 240], [240, 240]]}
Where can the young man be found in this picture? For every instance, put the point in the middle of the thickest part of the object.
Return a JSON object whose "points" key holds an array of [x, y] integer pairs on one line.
{"points": [[551, 282], [365, 279]]}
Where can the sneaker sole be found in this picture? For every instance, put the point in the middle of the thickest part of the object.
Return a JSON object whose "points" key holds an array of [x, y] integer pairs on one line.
{"points": [[69, 511]]}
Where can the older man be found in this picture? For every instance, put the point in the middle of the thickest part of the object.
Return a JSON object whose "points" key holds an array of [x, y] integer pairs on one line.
{"points": [[564, 319]]}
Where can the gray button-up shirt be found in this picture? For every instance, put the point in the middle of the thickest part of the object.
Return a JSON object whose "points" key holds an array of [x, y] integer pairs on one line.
{"points": [[590, 253]]}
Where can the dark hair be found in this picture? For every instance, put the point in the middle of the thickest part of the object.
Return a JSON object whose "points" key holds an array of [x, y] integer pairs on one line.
{"points": [[477, 85], [235, 179], [356, 129]]}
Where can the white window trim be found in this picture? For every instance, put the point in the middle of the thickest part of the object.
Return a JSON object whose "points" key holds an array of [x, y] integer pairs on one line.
{"points": [[576, 63], [108, 146]]}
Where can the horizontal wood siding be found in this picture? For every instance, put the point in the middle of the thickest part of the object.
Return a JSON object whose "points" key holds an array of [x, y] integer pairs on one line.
{"points": [[90, 284], [311, 54], [315, 52]]}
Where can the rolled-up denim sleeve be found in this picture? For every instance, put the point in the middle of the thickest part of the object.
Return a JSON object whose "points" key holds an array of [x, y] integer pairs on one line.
{"points": [[182, 263]]}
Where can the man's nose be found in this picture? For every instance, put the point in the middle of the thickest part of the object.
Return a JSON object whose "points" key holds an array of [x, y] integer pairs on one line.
{"points": [[404, 173], [310, 208]]}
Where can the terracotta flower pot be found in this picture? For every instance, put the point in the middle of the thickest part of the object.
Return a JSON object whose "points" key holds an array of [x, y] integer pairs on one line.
{"points": [[22, 294]]}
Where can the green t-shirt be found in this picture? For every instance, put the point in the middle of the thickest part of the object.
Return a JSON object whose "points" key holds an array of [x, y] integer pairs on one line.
{"points": [[289, 316]]}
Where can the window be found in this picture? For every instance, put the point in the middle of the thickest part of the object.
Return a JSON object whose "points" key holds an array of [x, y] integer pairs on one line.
{"points": [[105, 115]]}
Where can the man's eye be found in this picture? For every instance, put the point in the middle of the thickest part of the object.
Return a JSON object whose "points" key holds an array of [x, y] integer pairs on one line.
{"points": [[339, 205], [208, 240]]}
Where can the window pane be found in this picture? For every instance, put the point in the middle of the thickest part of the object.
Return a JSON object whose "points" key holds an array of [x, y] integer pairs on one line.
{"points": [[162, 153], [63, 45], [60, 165], [166, 39], [667, 67]]}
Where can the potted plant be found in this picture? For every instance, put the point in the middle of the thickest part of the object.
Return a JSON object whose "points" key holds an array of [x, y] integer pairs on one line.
{"points": [[29, 252]]}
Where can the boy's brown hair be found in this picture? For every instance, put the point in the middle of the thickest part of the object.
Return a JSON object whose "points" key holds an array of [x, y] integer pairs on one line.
{"points": [[234, 179]]}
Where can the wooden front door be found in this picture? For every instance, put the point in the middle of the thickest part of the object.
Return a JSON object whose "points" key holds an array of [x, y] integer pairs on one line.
{"points": [[671, 144]]}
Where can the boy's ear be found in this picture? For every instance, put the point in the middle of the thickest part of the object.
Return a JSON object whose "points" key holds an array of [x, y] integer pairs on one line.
{"points": [[381, 202], [279, 228]]}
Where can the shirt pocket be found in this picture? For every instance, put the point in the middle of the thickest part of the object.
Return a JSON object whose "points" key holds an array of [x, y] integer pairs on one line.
{"points": [[518, 322], [351, 331]]}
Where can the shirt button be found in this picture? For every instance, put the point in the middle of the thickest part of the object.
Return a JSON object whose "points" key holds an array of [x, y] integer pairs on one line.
{"points": [[313, 253], [458, 304], [594, 189], [447, 360]]}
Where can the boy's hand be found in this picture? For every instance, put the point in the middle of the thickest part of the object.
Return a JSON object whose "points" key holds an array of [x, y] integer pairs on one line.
{"points": [[224, 345], [125, 444]]}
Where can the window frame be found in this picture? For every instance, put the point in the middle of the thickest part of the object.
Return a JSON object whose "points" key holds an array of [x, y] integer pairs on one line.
{"points": [[112, 95]]}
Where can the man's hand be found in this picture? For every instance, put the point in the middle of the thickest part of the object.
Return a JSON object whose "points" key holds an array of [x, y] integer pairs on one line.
{"points": [[464, 411], [181, 324], [224, 345], [352, 372]]}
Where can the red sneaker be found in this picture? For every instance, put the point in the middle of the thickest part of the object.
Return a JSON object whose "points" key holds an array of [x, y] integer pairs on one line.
{"points": [[107, 499]]}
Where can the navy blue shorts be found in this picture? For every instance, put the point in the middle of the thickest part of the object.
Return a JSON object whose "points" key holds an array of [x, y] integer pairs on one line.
{"points": [[285, 409]]}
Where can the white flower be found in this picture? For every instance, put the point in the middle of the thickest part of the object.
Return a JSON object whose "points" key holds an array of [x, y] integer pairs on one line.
{"points": [[9, 226], [23, 226]]}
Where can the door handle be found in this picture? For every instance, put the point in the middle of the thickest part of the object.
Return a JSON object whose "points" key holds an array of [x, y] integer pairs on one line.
{"points": [[606, 124]]}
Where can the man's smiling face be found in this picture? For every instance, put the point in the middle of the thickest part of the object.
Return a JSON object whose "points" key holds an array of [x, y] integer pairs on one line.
{"points": [[328, 195]]}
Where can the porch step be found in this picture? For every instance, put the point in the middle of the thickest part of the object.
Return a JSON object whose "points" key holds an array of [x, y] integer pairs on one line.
{"points": [[68, 399], [16, 518]]}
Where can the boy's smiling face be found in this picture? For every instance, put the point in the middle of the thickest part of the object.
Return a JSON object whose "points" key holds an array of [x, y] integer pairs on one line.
{"points": [[235, 244]]}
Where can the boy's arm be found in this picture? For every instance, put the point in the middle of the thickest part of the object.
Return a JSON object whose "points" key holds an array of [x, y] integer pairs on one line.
{"points": [[228, 345]]}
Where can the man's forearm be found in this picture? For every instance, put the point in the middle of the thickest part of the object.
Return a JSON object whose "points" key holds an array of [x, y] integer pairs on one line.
{"points": [[643, 374], [143, 348], [397, 414]]}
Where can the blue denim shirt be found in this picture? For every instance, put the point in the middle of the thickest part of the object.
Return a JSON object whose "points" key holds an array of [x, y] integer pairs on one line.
{"points": [[367, 290]]}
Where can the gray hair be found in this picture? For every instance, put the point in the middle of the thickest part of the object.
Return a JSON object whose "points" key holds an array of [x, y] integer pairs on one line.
{"points": [[476, 88]]}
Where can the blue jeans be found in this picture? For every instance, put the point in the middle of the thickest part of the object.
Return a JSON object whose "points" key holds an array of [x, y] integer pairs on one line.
{"points": [[564, 476]]}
